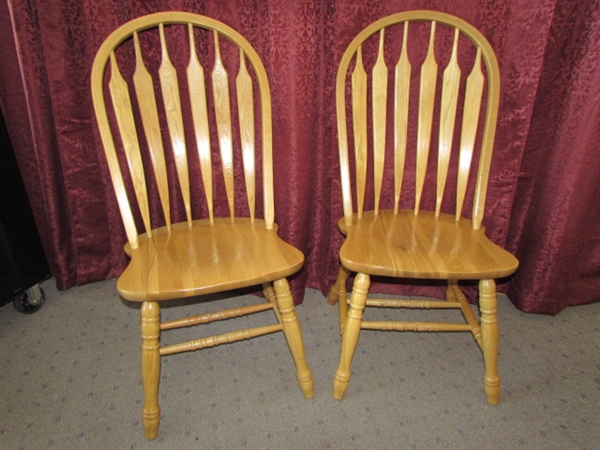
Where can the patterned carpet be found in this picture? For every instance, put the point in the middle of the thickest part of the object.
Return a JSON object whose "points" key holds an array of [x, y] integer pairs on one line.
{"points": [[70, 380]]}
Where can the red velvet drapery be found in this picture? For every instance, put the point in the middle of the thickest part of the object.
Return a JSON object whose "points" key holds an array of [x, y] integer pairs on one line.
{"points": [[543, 197]]}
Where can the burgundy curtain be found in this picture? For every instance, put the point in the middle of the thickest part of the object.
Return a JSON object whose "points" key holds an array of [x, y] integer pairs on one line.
{"points": [[545, 183], [554, 227]]}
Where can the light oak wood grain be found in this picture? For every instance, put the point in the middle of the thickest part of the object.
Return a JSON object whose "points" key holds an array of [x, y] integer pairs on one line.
{"points": [[379, 99], [429, 71], [172, 102], [150, 322], [423, 246], [449, 101], [359, 115], [146, 98], [197, 93], [351, 333], [199, 255], [419, 244], [214, 316], [473, 94], [245, 100], [401, 102], [220, 83], [206, 258], [489, 339], [291, 329], [124, 115], [491, 112]]}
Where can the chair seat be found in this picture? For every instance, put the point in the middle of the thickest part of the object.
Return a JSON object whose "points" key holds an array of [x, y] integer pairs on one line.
{"points": [[206, 258], [406, 245]]}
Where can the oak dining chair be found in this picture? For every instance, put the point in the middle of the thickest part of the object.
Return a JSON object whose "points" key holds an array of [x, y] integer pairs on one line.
{"points": [[405, 213], [181, 152]]}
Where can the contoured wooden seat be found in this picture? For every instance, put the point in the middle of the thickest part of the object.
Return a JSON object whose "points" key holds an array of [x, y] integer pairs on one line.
{"points": [[412, 226], [156, 115]]}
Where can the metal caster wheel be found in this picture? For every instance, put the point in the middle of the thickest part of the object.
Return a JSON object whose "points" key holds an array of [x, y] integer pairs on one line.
{"points": [[30, 300]]}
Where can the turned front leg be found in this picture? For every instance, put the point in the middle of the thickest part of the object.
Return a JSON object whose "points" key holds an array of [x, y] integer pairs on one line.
{"points": [[489, 338], [358, 300], [293, 335], [150, 367]]}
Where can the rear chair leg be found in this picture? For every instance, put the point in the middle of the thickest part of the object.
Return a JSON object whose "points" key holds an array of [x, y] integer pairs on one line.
{"points": [[339, 295], [450, 295], [340, 283], [489, 338], [150, 367], [270, 296], [293, 334]]}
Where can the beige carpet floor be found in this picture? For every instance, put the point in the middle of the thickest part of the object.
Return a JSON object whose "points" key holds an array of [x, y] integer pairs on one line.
{"points": [[69, 379]]}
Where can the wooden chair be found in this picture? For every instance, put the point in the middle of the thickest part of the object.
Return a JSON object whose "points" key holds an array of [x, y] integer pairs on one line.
{"points": [[173, 258], [384, 239]]}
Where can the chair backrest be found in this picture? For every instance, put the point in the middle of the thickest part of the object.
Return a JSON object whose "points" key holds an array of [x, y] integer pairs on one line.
{"points": [[184, 119], [417, 117]]}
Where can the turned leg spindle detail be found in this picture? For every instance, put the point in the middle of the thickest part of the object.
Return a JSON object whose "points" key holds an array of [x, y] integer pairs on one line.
{"points": [[150, 322], [293, 335], [358, 300], [489, 338]]}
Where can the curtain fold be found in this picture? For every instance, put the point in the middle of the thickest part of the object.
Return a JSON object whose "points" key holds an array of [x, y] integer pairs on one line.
{"points": [[544, 186], [555, 221]]}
